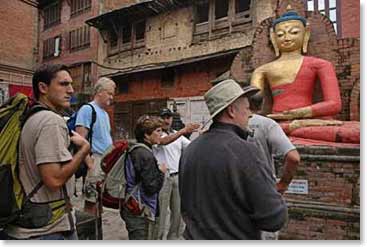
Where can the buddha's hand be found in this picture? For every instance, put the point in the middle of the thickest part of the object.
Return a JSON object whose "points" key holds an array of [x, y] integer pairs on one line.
{"points": [[304, 112]]}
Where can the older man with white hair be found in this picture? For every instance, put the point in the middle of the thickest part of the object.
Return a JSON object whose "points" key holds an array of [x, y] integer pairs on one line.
{"points": [[225, 184], [104, 91]]}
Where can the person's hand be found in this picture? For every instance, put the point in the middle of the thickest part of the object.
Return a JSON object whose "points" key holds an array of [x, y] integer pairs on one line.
{"points": [[202, 131], [191, 127], [163, 168], [79, 141], [281, 187], [89, 161]]}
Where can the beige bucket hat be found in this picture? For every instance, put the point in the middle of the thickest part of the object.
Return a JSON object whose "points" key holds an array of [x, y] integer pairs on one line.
{"points": [[225, 93]]}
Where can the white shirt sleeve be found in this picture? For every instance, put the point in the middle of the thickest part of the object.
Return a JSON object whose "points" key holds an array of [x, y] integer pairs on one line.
{"points": [[280, 144]]}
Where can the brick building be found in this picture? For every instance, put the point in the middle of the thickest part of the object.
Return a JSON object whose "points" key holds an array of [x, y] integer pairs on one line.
{"points": [[160, 51], [18, 47], [65, 38], [164, 52]]}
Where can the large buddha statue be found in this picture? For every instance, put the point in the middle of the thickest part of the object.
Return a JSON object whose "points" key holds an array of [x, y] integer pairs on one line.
{"points": [[292, 78]]}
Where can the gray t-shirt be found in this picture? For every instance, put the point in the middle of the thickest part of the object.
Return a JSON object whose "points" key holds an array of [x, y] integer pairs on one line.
{"points": [[269, 137], [44, 139]]}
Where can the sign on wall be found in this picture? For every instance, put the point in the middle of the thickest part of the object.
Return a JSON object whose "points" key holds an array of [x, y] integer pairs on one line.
{"points": [[191, 110], [298, 186]]}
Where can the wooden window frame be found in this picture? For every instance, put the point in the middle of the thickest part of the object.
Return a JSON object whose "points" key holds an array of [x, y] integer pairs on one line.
{"points": [[78, 7], [168, 84], [54, 9], [49, 48], [131, 45], [217, 27], [123, 87], [83, 69], [327, 13], [79, 38], [141, 42]]}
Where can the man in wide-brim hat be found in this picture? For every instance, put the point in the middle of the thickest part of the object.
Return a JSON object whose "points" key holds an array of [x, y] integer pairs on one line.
{"points": [[226, 188]]}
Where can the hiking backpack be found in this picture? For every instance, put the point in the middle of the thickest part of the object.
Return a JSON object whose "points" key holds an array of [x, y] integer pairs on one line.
{"points": [[71, 123], [13, 198], [114, 163]]}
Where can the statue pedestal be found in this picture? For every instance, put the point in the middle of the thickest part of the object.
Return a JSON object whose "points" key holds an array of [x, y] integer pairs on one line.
{"points": [[324, 199]]}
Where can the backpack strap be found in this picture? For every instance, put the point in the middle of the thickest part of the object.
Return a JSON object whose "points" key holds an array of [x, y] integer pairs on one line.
{"points": [[33, 110], [68, 207], [138, 144], [94, 118], [34, 191], [136, 188]]}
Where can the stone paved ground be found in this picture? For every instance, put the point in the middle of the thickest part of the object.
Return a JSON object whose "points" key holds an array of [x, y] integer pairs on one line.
{"points": [[112, 224]]}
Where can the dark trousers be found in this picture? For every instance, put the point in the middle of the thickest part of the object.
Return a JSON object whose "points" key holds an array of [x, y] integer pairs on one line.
{"points": [[138, 226]]}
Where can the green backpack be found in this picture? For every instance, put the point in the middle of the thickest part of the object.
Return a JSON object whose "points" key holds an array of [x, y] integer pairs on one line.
{"points": [[13, 199]]}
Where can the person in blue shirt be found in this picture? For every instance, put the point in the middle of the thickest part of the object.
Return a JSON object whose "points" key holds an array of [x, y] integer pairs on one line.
{"points": [[104, 91]]}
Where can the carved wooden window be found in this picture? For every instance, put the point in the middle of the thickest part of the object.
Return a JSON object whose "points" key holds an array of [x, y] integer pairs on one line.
{"points": [[123, 86], [242, 10], [202, 11], [87, 76], [51, 47], [113, 39], [79, 38], [81, 74], [126, 34], [221, 8], [129, 36], [51, 14], [140, 30], [330, 8], [79, 6], [217, 17], [242, 5], [168, 78]]}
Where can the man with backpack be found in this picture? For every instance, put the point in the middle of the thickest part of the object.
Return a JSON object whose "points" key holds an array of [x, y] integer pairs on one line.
{"points": [[98, 131], [46, 167]]}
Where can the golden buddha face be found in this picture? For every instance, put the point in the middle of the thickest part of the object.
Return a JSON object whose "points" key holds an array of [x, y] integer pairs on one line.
{"points": [[289, 35]]}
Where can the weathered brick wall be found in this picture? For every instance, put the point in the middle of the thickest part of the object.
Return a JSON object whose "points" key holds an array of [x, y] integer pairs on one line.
{"points": [[350, 18], [318, 224], [18, 42], [68, 24], [190, 80], [332, 174], [18, 25], [348, 73], [330, 210]]}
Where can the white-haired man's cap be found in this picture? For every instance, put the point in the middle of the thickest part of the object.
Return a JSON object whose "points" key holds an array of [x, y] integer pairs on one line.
{"points": [[225, 93]]}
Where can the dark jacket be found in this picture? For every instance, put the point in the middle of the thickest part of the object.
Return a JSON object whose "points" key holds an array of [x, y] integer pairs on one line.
{"points": [[226, 188], [148, 174]]}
